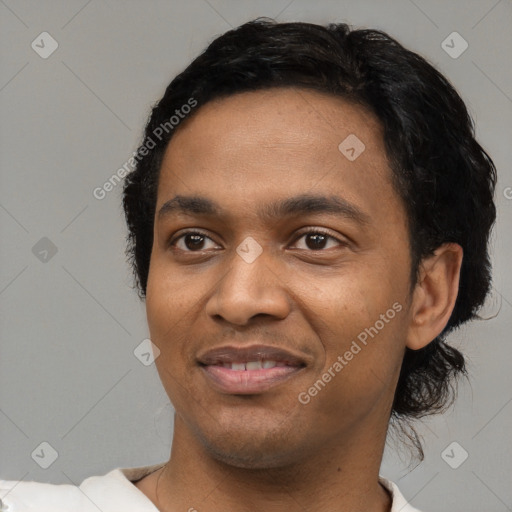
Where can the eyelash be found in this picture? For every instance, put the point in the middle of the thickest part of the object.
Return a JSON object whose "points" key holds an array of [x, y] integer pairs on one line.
{"points": [[316, 231]]}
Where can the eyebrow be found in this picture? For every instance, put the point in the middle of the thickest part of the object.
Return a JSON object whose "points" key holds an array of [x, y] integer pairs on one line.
{"points": [[293, 206]]}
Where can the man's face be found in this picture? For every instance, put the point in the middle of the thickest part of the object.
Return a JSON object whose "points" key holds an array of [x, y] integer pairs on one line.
{"points": [[315, 282]]}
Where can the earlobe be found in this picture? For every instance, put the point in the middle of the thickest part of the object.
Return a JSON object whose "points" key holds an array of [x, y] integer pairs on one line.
{"points": [[434, 295]]}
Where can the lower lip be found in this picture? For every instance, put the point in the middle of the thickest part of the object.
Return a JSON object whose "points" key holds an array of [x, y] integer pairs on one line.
{"points": [[246, 382]]}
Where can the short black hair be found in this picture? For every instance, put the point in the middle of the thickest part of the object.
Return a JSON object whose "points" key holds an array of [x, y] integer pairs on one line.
{"points": [[444, 177]]}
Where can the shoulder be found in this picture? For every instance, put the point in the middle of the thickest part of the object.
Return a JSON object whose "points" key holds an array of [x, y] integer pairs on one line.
{"points": [[35, 496], [111, 492], [400, 504]]}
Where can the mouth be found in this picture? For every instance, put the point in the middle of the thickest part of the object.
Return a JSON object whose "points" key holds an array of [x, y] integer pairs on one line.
{"points": [[249, 370]]}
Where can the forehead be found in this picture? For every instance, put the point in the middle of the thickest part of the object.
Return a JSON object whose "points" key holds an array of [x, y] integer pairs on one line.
{"points": [[252, 146], [279, 115]]}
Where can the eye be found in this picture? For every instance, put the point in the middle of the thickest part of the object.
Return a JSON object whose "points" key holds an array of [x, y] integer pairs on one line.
{"points": [[314, 240], [317, 240], [191, 241]]}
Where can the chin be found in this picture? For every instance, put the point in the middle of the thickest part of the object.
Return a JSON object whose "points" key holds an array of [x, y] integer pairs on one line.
{"points": [[249, 458], [250, 449]]}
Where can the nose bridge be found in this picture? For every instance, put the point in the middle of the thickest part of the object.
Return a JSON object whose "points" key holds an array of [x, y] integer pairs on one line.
{"points": [[249, 286]]}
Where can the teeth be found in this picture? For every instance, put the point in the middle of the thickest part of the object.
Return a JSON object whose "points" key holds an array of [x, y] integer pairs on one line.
{"points": [[251, 365]]}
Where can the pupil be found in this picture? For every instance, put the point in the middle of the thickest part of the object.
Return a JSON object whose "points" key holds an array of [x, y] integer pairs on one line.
{"points": [[318, 241], [197, 240]]}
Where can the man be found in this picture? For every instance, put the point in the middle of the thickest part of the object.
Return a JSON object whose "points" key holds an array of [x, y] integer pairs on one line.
{"points": [[308, 219]]}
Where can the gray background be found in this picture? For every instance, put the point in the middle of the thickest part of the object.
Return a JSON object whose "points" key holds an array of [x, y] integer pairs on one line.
{"points": [[70, 324]]}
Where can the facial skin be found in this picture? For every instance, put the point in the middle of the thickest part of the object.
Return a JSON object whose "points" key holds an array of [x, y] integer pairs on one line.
{"points": [[269, 451]]}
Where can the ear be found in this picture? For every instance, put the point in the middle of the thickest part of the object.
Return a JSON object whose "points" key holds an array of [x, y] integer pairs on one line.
{"points": [[434, 295]]}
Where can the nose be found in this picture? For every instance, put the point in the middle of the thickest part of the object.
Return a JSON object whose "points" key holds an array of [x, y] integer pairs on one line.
{"points": [[249, 288]]}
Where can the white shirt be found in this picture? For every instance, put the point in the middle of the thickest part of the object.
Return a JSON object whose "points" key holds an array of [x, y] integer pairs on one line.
{"points": [[113, 492]]}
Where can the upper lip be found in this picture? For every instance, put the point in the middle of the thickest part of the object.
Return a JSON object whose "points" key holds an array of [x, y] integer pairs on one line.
{"points": [[233, 354]]}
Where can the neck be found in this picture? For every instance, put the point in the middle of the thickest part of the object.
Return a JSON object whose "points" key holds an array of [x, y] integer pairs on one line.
{"points": [[341, 478]]}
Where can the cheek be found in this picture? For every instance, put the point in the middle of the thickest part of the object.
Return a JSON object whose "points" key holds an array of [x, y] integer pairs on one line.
{"points": [[163, 315], [363, 354], [166, 313], [350, 297], [170, 301], [359, 317]]}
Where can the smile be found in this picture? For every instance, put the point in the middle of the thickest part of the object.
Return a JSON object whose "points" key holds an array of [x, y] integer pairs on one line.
{"points": [[248, 378], [249, 369], [254, 365]]}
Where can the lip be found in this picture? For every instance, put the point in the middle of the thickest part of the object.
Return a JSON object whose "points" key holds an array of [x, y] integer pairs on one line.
{"points": [[233, 354], [248, 382]]}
